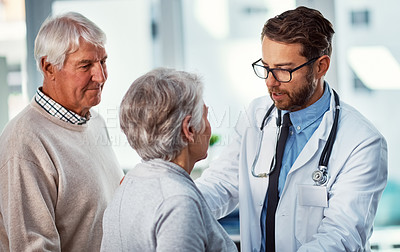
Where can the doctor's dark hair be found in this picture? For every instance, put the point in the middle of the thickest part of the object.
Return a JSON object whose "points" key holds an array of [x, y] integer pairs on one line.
{"points": [[302, 25], [153, 109], [60, 35]]}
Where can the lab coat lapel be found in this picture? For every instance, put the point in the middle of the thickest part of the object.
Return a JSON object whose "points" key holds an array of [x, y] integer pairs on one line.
{"points": [[317, 141], [312, 148]]}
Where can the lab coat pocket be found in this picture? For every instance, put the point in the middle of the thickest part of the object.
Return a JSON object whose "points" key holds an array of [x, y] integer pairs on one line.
{"points": [[311, 203], [310, 195]]}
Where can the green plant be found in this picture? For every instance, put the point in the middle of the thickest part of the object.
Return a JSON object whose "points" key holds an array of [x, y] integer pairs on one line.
{"points": [[214, 139]]}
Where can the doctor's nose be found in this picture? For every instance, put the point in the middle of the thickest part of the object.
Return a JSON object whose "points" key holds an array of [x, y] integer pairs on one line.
{"points": [[271, 81]]}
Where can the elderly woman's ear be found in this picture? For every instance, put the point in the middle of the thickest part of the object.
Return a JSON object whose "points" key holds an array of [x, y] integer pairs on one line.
{"points": [[187, 130]]}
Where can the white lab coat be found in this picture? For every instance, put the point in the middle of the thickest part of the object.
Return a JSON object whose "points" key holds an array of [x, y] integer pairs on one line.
{"points": [[308, 218]]}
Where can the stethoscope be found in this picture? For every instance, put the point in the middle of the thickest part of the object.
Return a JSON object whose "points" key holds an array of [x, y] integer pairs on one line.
{"points": [[320, 176]]}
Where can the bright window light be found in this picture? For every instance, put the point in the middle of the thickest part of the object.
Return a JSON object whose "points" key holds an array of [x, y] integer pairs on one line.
{"points": [[375, 66]]}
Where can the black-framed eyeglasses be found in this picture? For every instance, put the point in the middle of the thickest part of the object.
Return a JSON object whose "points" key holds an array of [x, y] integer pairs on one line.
{"points": [[281, 75]]}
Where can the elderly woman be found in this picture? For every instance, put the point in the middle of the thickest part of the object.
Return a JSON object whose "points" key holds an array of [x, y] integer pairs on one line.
{"points": [[158, 207]]}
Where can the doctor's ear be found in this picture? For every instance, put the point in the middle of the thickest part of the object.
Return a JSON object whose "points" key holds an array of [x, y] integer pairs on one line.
{"points": [[187, 130], [323, 64]]}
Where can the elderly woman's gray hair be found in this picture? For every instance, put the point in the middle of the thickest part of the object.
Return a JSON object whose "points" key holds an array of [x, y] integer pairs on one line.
{"points": [[59, 36], [153, 109]]}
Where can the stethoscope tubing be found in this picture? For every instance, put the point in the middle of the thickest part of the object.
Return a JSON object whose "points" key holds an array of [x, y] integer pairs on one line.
{"points": [[263, 175]]}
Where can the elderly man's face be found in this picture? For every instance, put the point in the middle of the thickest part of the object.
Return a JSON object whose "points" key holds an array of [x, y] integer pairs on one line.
{"points": [[78, 85]]}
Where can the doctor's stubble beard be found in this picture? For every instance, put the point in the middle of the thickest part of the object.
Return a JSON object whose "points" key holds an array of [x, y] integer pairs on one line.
{"points": [[300, 97]]}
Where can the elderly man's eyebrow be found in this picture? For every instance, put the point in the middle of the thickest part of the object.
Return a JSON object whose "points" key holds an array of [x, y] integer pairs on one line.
{"points": [[85, 61], [90, 61]]}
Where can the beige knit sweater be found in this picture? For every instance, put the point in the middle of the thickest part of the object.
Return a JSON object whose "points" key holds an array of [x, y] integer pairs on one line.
{"points": [[56, 179]]}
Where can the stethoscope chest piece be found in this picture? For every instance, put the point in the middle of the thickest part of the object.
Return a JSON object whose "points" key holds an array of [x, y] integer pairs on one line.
{"points": [[320, 176]]}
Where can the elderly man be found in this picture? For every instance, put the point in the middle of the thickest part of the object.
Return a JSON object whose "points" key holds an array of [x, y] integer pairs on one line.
{"points": [[57, 169]]}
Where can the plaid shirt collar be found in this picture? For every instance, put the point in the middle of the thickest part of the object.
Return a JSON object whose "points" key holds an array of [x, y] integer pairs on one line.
{"points": [[58, 111]]}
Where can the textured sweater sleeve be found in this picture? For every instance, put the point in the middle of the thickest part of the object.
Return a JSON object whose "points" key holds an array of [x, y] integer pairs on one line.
{"points": [[28, 199]]}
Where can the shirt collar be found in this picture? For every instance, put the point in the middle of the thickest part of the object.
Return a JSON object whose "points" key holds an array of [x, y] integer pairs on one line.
{"points": [[57, 110], [303, 118]]}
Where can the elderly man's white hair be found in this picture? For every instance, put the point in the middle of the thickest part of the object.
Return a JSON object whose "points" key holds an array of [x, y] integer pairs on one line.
{"points": [[59, 36]]}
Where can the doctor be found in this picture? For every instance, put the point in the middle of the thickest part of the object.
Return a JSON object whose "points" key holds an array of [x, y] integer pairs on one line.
{"points": [[335, 213]]}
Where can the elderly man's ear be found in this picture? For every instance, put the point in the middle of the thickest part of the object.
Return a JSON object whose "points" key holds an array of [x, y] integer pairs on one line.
{"points": [[187, 130], [47, 68]]}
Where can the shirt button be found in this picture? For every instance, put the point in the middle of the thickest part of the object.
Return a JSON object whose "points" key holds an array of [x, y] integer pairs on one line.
{"points": [[298, 127], [260, 203]]}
